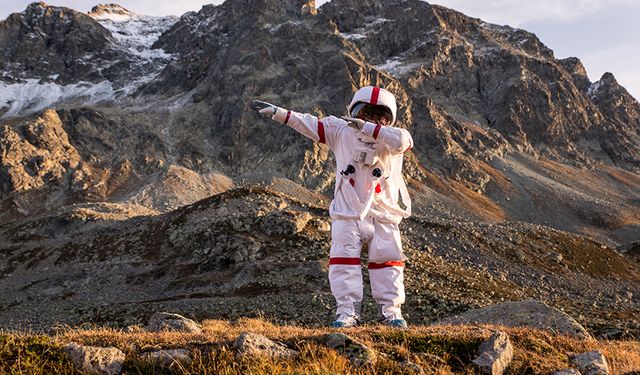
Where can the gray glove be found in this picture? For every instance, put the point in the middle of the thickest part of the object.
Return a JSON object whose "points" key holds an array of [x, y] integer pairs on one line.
{"points": [[277, 114], [264, 108], [354, 123]]}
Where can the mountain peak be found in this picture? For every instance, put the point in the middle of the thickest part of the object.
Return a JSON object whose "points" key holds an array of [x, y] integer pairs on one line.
{"points": [[110, 11]]}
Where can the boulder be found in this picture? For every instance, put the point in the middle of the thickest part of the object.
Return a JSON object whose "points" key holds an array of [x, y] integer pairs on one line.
{"points": [[591, 363], [95, 360], [529, 313], [494, 354], [163, 321], [358, 353], [253, 344]]}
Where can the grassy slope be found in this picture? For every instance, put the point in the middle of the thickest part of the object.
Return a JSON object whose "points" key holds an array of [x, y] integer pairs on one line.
{"points": [[535, 351]]}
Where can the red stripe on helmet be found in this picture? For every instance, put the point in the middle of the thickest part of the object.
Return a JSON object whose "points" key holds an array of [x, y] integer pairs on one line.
{"points": [[347, 261], [393, 263], [321, 132], [374, 95]]}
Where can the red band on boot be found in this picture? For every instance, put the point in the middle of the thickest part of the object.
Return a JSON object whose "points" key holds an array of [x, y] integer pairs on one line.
{"points": [[393, 263], [348, 261]]}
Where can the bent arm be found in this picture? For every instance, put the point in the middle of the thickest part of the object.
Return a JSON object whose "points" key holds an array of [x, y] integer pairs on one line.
{"points": [[397, 140]]}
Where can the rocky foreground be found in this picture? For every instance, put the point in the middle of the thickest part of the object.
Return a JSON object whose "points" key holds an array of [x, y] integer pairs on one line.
{"points": [[170, 343]]}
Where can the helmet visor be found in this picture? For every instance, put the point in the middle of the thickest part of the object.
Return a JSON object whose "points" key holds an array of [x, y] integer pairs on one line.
{"points": [[375, 113]]}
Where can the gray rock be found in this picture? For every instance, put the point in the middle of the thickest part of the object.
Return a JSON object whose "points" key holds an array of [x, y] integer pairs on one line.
{"points": [[358, 353], [95, 360], [163, 321], [527, 313], [591, 363], [253, 344], [494, 354], [168, 358]]}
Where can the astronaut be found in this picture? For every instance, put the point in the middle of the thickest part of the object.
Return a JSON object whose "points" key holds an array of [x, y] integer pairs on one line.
{"points": [[366, 207]]}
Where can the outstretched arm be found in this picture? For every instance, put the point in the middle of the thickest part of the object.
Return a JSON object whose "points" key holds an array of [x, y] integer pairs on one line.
{"points": [[308, 125]]}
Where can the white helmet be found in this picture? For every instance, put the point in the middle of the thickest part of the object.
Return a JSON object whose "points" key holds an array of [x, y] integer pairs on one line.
{"points": [[373, 96]]}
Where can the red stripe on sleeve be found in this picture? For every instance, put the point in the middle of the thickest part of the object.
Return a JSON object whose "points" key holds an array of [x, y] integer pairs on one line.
{"points": [[376, 131], [374, 95], [286, 120], [321, 132], [409, 148], [347, 261], [393, 263]]}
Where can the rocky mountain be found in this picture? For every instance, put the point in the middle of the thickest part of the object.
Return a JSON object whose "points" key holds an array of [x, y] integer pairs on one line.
{"points": [[114, 127]]}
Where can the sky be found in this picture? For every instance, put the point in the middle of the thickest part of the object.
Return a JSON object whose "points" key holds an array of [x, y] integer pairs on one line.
{"points": [[603, 34]]}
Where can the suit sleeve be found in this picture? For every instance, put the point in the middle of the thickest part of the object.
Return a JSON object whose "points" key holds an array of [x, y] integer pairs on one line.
{"points": [[318, 130], [396, 140]]}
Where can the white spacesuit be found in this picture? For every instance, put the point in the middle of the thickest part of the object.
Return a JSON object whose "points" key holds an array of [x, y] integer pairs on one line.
{"points": [[365, 208]]}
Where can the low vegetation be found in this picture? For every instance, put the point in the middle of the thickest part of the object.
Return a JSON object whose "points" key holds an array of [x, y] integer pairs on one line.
{"points": [[437, 350]]}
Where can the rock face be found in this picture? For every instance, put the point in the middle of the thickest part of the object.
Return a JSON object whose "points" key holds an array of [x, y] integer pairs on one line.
{"points": [[46, 41], [494, 354], [35, 155], [95, 360], [532, 314], [106, 10]]}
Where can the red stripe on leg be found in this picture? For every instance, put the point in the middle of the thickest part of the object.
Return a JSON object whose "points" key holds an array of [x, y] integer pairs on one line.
{"points": [[321, 132], [393, 263], [347, 261], [374, 95]]}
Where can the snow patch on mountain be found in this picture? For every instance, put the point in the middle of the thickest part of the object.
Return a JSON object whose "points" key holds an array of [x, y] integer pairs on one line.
{"points": [[397, 68], [136, 34], [593, 89], [33, 95]]}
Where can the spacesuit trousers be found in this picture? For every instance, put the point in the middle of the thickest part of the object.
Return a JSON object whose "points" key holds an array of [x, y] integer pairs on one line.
{"points": [[386, 265]]}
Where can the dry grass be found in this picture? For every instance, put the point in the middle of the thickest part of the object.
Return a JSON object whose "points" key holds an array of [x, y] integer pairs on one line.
{"points": [[439, 350]]}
